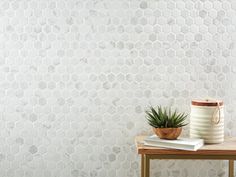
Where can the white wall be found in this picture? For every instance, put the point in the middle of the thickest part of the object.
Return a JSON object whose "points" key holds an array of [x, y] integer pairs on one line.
{"points": [[77, 75]]}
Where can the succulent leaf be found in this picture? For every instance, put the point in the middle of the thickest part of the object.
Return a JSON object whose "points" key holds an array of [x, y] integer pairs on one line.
{"points": [[165, 117]]}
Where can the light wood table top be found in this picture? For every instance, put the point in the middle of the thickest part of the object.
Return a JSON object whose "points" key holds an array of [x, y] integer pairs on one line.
{"points": [[228, 147], [223, 151]]}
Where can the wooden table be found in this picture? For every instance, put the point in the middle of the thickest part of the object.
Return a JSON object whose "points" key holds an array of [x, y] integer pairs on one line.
{"points": [[224, 151]]}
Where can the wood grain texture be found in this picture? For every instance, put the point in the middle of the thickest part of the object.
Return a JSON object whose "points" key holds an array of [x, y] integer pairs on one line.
{"points": [[168, 133], [228, 147], [207, 102]]}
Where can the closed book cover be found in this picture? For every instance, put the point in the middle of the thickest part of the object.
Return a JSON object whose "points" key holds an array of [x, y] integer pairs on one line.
{"points": [[190, 144]]}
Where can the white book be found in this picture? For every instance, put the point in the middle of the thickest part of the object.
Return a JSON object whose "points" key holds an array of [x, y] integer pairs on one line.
{"points": [[189, 144]]}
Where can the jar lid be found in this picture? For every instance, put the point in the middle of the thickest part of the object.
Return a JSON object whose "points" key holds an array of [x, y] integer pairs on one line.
{"points": [[207, 102]]}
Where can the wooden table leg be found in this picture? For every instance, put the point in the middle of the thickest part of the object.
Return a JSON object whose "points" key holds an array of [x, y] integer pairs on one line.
{"points": [[146, 165], [231, 168], [142, 165]]}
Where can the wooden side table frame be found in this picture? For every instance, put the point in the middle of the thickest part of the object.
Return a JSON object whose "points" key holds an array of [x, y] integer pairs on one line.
{"points": [[145, 161], [224, 151]]}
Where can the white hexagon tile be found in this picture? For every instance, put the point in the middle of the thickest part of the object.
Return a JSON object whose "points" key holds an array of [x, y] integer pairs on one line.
{"points": [[77, 75]]}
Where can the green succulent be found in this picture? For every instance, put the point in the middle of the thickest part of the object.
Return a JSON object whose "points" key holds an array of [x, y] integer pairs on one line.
{"points": [[165, 118]]}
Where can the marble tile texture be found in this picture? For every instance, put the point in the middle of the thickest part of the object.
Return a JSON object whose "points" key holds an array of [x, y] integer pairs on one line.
{"points": [[77, 75]]}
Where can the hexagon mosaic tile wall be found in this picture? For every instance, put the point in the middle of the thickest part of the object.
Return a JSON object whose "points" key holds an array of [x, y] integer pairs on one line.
{"points": [[77, 75]]}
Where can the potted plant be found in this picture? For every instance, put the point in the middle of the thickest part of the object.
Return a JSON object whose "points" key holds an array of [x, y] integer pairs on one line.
{"points": [[167, 124]]}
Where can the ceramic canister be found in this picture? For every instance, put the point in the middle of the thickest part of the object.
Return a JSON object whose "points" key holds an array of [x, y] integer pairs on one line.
{"points": [[207, 120]]}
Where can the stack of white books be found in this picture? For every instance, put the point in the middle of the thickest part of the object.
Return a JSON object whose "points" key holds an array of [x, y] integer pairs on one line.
{"points": [[180, 143]]}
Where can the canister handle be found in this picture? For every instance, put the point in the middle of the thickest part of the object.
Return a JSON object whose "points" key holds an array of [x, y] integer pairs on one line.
{"points": [[214, 117]]}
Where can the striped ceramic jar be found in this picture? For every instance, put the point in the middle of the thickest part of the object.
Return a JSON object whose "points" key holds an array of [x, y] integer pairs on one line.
{"points": [[207, 121]]}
